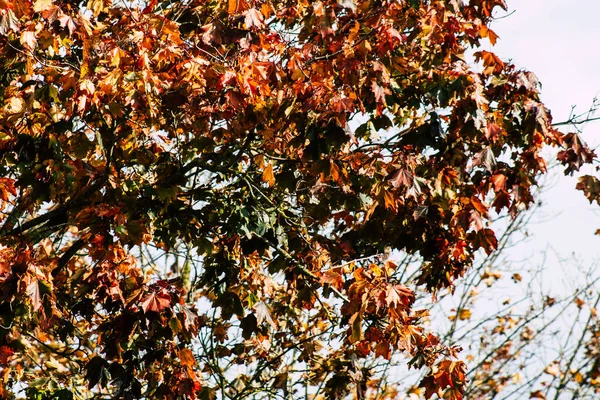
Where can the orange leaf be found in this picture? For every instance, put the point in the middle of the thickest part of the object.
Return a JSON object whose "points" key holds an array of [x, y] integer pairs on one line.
{"points": [[491, 61], [186, 357], [484, 31], [268, 176], [236, 6], [390, 201]]}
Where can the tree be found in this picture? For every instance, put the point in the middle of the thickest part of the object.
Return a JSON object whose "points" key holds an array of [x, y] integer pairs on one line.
{"points": [[520, 339], [197, 197]]}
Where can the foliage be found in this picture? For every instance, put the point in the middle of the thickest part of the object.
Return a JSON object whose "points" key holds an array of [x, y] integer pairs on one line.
{"points": [[267, 153]]}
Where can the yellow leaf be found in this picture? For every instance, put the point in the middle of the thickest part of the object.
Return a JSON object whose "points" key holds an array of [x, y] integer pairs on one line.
{"points": [[96, 6]]}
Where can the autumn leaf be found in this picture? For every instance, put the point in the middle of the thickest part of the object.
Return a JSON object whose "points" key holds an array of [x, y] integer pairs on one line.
{"points": [[34, 293], [5, 354], [28, 39], [263, 314], [538, 394], [236, 6], [186, 357], [464, 314], [389, 201], [553, 369], [267, 175], [399, 295], [491, 61], [379, 92], [333, 278], [42, 5], [156, 301], [7, 188], [253, 18], [485, 32], [355, 323], [401, 178]]}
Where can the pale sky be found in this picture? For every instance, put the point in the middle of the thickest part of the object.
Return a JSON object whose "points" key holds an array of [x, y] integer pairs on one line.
{"points": [[558, 41]]}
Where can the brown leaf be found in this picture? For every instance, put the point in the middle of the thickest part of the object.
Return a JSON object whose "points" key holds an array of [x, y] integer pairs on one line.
{"points": [[464, 314], [537, 395], [28, 39], [356, 327], [398, 295], [333, 278], [491, 61], [499, 182], [236, 6]]}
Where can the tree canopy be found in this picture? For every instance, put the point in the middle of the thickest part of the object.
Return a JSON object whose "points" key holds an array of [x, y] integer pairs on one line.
{"points": [[198, 197]]}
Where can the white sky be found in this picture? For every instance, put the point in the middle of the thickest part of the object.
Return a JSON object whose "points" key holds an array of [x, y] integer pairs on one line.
{"points": [[558, 41]]}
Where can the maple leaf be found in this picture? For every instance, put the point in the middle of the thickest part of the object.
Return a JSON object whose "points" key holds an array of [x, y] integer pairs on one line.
{"points": [[379, 92], [5, 354], [398, 295], [267, 175], [33, 291], [156, 301], [333, 278], [236, 6], [28, 39], [492, 132], [7, 188], [486, 158], [491, 61], [263, 314], [42, 5], [253, 19], [486, 32], [186, 357], [538, 394], [402, 177]]}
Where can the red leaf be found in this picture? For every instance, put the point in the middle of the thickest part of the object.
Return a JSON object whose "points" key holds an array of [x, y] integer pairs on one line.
{"points": [[156, 302], [5, 353]]}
